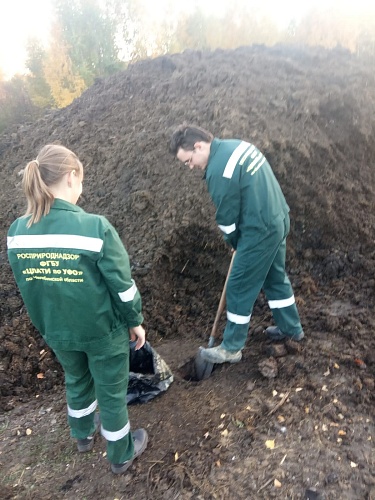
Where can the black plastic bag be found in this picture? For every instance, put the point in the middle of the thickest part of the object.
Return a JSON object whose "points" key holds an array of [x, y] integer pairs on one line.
{"points": [[149, 375]]}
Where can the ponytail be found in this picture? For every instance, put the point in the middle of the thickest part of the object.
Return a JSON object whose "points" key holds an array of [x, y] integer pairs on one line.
{"points": [[39, 197], [51, 164]]}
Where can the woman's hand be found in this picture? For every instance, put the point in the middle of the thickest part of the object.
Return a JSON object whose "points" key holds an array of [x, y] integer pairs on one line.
{"points": [[138, 333]]}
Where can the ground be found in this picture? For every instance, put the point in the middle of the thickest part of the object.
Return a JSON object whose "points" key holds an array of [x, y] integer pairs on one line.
{"points": [[295, 420]]}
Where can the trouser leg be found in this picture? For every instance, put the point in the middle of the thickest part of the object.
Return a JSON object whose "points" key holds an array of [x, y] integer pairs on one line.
{"points": [[279, 292], [80, 392], [110, 369], [250, 268]]}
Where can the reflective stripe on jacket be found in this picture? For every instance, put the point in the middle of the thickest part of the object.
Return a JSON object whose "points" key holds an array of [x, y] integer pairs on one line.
{"points": [[74, 276], [244, 189]]}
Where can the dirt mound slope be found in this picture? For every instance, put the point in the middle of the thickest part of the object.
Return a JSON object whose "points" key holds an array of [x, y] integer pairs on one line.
{"points": [[311, 112]]}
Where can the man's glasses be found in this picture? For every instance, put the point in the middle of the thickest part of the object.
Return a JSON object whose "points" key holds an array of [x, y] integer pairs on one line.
{"points": [[188, 162]]}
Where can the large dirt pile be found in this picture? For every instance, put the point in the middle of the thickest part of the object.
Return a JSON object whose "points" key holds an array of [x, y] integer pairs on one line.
{"points": [[293, 420], [309, 110]]}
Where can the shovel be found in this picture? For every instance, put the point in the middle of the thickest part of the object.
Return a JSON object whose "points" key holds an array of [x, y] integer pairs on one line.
{"points": [[203, 368]]}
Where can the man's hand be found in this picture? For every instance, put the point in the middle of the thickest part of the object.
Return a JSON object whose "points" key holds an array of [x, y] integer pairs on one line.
{"points": [[138, 333]]}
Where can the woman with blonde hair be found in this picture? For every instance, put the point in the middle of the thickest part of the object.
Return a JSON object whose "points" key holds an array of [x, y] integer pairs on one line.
{"points": [[74, 276]]}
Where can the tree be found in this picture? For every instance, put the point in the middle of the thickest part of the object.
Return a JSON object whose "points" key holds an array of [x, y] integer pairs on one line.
{"points": [[39, 90], [65, 83], [89, 34], [15, 104], [191, 32]]}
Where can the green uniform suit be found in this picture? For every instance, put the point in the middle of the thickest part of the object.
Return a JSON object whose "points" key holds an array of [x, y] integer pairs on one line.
{"points": [[74, 276], [254, 218]]}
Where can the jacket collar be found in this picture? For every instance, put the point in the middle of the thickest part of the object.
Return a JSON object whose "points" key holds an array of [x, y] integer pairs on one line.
{"points": [[213, 149], [59, 204]]}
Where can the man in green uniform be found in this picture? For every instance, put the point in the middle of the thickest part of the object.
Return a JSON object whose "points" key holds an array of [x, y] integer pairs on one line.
{"points": [[253, 216]]}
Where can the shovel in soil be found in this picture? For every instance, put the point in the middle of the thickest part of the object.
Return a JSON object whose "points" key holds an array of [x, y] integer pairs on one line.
{"points": [[203, 368]]}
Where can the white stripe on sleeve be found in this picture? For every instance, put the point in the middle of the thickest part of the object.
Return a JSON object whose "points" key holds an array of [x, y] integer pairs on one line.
{"points": [[129, 294], [258, 166], [250, 151], [235, 156], [256, 160], [227, 229]]}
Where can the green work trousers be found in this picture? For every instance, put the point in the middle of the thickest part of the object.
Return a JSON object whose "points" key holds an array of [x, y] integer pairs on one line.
{"points": [[100, 377], [260, 263]]}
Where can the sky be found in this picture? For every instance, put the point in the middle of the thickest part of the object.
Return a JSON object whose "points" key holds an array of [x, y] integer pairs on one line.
{"points": [[22, 19], [19, 20]]}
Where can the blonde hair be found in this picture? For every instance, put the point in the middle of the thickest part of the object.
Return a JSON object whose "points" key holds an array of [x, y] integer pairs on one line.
{"points": [[51, 164]]}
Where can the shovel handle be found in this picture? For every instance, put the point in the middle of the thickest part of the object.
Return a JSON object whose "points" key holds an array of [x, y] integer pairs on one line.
{"points": [[221, 306]]}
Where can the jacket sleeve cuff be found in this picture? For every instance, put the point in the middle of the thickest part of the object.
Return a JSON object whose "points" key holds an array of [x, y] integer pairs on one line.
{"points": [[135, 322]]}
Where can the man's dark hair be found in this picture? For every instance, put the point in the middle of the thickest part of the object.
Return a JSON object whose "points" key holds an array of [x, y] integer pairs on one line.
{"points": [[185, 136]]}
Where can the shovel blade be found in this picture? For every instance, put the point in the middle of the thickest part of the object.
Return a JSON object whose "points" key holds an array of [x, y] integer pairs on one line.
{"points": [[203, 368]]}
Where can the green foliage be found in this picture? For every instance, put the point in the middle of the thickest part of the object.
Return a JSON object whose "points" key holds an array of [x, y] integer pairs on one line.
{"points": [[35, 56], [38, 87], [65, 83], [193, 31], [89, 35]]}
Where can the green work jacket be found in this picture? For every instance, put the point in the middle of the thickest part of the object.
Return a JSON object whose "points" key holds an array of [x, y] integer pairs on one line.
{"points": [[74, 276], [245, 191]]}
